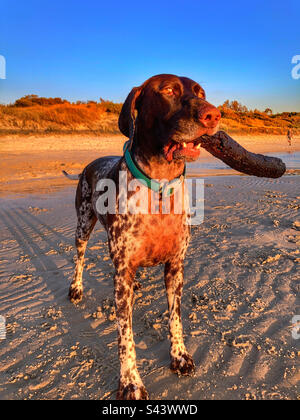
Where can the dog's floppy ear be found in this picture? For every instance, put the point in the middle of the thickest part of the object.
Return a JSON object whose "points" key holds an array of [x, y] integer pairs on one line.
{"points": [[127, 115]]}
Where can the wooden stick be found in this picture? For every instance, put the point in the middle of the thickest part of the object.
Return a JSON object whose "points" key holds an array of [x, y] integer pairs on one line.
{"points": [[223, 147]]}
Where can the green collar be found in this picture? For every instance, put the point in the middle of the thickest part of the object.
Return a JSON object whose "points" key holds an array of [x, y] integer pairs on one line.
{"points": [[165, 188]]}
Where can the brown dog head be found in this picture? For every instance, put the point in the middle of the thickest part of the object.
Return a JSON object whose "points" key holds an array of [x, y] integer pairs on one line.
{"points": [[172, 113]]}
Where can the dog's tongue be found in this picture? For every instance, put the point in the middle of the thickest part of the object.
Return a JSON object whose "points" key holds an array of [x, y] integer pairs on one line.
{"points": [[189, 151], [176, 150]]}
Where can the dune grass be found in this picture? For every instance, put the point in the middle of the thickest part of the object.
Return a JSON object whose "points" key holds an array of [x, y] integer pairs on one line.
{"points": [[34, 115]]}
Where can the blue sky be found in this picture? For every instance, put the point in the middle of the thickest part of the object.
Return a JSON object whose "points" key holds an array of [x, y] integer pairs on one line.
{"points": [[81, 50]]}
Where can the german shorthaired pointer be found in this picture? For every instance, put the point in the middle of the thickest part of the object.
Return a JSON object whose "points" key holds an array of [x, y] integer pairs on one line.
{"points": [[163, 118]]}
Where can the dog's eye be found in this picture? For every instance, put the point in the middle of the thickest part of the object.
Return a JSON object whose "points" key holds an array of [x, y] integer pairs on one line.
{"points": [[172, 91], [169, 91]]}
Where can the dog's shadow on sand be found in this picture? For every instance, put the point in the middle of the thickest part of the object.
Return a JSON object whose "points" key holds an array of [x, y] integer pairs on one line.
{"points": [[40, 242]]}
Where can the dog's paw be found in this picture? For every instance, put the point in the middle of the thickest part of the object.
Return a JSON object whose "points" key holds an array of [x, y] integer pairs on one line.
{"points": [[183, 365], [132, 392], [75, 294]]}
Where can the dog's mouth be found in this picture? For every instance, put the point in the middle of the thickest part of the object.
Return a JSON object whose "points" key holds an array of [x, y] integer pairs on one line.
{"points": [[186, 150]]}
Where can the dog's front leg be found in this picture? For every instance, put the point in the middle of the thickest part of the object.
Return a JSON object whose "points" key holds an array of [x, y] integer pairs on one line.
{"points": [[131, 386], [181, 362]]}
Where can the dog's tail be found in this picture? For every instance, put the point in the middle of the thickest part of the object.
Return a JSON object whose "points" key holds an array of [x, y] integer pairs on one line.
{"points": [[72, 177]]}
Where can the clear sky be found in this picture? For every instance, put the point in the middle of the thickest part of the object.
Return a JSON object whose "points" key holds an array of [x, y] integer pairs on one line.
{"points": [[83, 50]]}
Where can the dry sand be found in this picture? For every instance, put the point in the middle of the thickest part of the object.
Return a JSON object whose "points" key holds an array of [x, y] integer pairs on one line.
{"points": [[241, 288]]}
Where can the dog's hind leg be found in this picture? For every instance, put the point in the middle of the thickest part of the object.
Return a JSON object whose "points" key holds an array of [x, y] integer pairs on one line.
{"points": [[81, 240], [85, 225]]}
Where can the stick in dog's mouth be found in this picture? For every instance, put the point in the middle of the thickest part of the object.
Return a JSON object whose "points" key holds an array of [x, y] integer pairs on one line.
{"points": [[223, 147]]}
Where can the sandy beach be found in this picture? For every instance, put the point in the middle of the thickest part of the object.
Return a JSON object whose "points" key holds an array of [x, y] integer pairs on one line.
{"points": [[31, 164], [241, 288]]}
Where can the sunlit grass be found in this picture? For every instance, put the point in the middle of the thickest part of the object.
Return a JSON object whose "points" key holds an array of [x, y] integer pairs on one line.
{"points": [[32, 114]]}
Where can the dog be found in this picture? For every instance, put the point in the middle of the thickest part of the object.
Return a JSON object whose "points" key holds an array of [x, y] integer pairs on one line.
{"points": [[163, 118]]}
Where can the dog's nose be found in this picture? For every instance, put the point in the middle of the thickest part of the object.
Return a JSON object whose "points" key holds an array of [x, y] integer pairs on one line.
{"points": [[209, 116]]}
